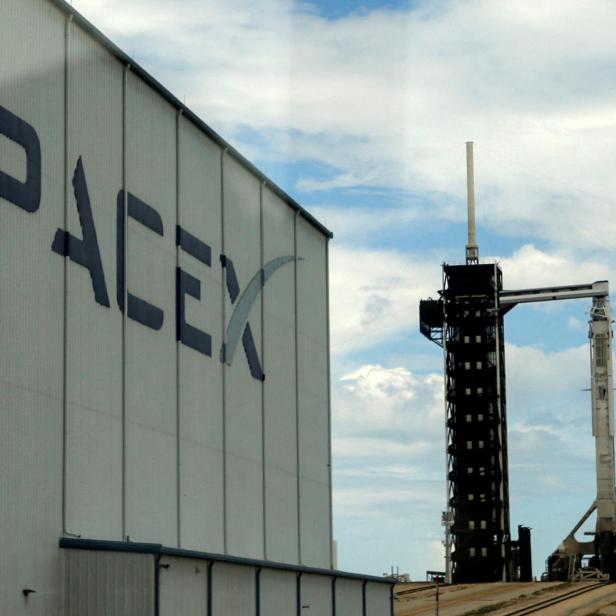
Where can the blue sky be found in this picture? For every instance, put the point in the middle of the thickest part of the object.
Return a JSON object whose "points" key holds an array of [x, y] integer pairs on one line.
{"points": [[339, 9], [360, 111]]}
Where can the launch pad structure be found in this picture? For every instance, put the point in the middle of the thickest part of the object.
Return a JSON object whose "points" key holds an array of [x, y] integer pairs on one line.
{"points": [[467, 321]]}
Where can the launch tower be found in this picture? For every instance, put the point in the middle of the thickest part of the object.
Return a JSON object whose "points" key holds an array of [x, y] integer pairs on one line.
{"points": [[467, 322]]}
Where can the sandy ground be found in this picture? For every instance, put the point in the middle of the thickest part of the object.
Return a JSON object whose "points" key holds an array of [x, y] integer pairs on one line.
{"points": [[464, 598], [600, 602]]}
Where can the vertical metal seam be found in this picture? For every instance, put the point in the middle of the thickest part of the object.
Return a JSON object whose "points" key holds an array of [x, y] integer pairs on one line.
{"points": [[258, 591], [297, 440], [222, 363], [364, 609], [177, 342], [298, 594], [157, 585], [124, 292], [334, 580], [329, 409], [264, 371], [210, 588], [65, 288]]}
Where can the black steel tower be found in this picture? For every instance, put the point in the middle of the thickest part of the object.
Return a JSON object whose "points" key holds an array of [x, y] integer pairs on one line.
{"points": [[467, 323]]}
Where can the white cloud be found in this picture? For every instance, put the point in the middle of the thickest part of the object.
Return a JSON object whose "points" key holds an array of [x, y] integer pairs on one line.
{"points": [[389, 449], [376, 382], [530, 267], [576, 324], [388, 430], [551, 447], [405, 406], [388, 97], [536, 377], [435, 555], [378, 448], [375, 294], [356, 498]]}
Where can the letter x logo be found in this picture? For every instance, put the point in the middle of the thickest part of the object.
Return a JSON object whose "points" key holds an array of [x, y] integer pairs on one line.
{"points": [[238, 323]]}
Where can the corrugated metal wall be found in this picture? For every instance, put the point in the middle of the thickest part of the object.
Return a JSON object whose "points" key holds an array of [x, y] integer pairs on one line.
{"points": [[377, 597], [150, 361], [31, 314], [280, 396], [200, 394], [243, 409], [316, 595], [349, 598], [313, 399], [94, 381], [111, 428], [278, 593], [108, 583], [128, 584], [184, 587], [233, 590]]}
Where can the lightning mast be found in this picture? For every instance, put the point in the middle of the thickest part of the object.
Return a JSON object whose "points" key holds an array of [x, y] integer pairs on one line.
{"points": [[472, 250]]}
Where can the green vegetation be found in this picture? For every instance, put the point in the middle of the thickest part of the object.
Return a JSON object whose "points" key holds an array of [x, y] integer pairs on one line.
{"points": [[485, 609], [562, 586]]}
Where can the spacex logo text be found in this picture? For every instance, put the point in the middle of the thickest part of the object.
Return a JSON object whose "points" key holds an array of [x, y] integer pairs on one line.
{"points": [[86, 253]]}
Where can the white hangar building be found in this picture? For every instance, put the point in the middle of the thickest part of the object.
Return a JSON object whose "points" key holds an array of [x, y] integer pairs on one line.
{"points": [[164, 360]]}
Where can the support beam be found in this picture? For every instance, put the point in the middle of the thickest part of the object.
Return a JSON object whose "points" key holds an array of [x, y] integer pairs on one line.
{"points": [[547, 294]]}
